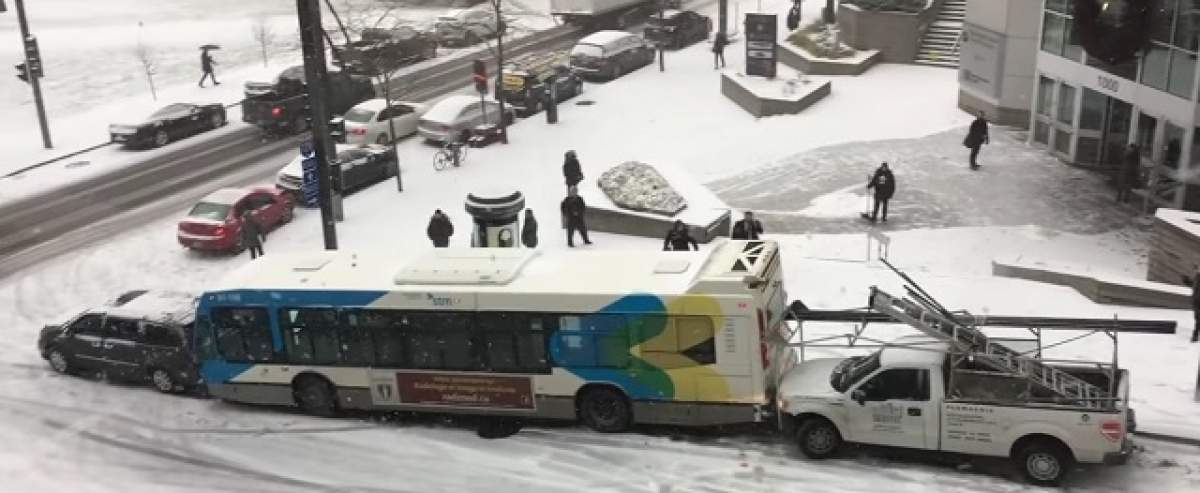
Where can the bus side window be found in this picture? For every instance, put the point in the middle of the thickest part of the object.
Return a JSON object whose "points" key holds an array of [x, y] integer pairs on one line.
{"points": [[514, 342], [443, 340], [310, 335], [357, 348]]}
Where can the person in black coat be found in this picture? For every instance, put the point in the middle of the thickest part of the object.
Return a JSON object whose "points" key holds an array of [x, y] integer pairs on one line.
{"points": [[719, 44], [885, 186], [572, 173], [573, 209], [252, 235], [678, 238], [206, 64], [793, 17], [529, 230], [748, 228], [1194, 282], [977, 136], [440, 229], [1128, 174]]}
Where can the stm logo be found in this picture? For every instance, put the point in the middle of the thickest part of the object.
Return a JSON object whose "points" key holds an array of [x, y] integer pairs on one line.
{"points": [[440, 300]]}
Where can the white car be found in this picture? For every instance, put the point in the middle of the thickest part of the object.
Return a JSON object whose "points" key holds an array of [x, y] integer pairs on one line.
{"points": [[367, 122], [453, 118]]}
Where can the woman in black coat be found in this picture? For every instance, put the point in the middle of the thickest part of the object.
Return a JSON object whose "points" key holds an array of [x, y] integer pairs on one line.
{"points": [[572, 172], [529, 230]]}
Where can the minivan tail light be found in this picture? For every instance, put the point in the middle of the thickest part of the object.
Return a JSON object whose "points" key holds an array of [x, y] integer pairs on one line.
{"points": [[1112, 430]]}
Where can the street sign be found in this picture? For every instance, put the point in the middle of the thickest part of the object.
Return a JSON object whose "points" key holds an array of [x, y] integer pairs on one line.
{"points": [[311, 191], [761, 44]]}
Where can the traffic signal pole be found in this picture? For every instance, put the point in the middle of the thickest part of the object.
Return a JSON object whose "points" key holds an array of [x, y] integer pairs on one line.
{"points": [[33, 67], [311, 38]]}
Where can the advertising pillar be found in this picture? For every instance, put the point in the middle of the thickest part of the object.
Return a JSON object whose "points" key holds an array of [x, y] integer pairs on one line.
{"points": [[496, 218]]}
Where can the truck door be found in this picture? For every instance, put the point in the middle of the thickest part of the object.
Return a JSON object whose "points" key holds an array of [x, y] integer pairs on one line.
{"points": [[893, 408]]}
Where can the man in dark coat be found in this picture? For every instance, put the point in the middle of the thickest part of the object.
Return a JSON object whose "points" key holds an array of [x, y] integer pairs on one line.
{"points": [[440, 229], [206, 64], [748, 228], [719, 44], [529, 230], [571, 170], [1128, 173], [572, 209], [793, 17], [977, 136], [885, 185], [252, 235], [1194, 282], [678, 238]]}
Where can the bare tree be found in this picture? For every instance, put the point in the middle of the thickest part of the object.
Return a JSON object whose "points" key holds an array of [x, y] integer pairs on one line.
{"points": [[263, 35], [149, 60]]}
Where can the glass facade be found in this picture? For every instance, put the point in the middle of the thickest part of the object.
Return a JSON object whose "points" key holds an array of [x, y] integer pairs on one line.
{"points": [[1066, 104], [1170, 63], [1059, 36], [1172, 145]]}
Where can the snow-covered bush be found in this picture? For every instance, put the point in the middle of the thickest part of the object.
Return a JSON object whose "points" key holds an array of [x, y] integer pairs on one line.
{"points": [[638, 186], [821, 40]]}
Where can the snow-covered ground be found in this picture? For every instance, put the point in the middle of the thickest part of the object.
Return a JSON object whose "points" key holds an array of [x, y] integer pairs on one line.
{"points": [[71, 434]]}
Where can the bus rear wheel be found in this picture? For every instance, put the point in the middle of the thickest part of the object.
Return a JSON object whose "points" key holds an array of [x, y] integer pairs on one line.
{"points": [[605, 410], [315, 396]]}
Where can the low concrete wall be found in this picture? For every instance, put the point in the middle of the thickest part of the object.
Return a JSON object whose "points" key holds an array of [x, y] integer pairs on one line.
{"points": [[1112, 291], [796, 58], [897, 35], [620, 222], [1012, 117], [760, 107]]}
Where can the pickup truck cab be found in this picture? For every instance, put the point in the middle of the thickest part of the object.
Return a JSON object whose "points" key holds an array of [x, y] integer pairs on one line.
{"points": [[910, 395]]}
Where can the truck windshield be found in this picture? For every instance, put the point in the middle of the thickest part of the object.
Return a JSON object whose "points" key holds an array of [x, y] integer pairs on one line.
{"points": [[853, 370]]}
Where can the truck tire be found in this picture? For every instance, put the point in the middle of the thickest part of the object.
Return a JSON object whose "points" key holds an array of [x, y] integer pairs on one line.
{"points": [[1044, 463], [605, 410], [818, 438]]}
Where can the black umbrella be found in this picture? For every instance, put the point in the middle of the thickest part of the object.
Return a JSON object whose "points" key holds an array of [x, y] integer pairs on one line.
{"points": [[210, 47]]}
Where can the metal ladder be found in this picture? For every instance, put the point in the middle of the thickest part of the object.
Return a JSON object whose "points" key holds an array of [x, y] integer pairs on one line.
{"points": [[969, 340]]}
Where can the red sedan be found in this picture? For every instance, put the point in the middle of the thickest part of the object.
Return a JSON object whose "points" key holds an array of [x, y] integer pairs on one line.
{"points": [[216, 222]]}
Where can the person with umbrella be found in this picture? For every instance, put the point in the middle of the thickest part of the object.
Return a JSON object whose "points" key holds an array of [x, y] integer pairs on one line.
{"points": [[206, 64]]}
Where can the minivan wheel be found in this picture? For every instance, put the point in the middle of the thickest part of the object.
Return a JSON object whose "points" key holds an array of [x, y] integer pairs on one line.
{"points": [[162, 381], [58, 361]]}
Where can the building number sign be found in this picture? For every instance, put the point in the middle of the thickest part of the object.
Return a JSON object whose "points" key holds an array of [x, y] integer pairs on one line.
{"points": [[1109, 83]]}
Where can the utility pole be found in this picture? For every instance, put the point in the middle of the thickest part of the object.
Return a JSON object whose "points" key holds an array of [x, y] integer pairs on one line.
{"points": [[722, 14], [500, 29], [662, 65], [311, 38], [33, 65]]}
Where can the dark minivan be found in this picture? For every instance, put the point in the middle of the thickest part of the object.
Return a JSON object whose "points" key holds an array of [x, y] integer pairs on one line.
{"points": [[142, 336]]}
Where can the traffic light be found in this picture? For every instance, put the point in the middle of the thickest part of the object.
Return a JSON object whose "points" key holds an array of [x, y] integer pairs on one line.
{"points": [[479, 75], [22, 72]]}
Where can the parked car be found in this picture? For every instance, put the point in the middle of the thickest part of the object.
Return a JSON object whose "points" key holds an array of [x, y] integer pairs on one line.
{"points": [[610, 54], [678, 29], [143, 336], [367, 122], [465, 27], [379, 50], [215, 223], [454, 117], [172, 122], [360, 167], [527, 78]]}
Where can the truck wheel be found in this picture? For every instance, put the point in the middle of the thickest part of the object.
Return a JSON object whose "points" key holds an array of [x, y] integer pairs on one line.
{"points": [[315, 396], [818, 439], [1044, 464], [58, 361], [605, 410], [162, 381]]}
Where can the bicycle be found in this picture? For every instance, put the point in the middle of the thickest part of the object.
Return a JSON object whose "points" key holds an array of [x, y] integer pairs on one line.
{"points": [[451, 153]]}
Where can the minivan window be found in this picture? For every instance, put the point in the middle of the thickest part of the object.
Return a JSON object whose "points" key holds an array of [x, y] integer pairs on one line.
{"points": [[591, 50]]}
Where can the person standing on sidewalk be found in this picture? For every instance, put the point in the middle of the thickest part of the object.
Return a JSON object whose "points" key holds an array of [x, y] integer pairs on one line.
{"points": [[977, 136], [252, 235], [573, 209], [1127, 174], [572, 171], [719, 44], [885, 186], [440, 229], [1196, 303]]}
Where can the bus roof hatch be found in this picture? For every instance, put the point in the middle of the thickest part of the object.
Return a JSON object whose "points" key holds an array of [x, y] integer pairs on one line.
{"points": [[466, 266]]}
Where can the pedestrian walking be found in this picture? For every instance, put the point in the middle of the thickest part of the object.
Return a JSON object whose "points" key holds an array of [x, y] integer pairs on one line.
{"points": [[572, 209], [793, 17], [572, 173], [252, 237], [1195, 283], [440, 229], [719, 44], [748, 228], [529, 230], [1128, 173], [206, 64], [977, 136], [884, 184], [678, 238]]}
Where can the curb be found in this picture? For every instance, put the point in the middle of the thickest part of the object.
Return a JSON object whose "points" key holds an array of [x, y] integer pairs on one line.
{"points": [[1195, 442]]}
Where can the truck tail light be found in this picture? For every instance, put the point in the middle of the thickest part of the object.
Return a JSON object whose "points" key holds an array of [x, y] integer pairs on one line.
{"points": [[1112, 430], [762, 339], [276, 112], [358, 131]]}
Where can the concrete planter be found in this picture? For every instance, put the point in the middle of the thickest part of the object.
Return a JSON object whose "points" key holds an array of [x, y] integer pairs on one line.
{"points": [[762, 97], [800, 59], [897, 35]]}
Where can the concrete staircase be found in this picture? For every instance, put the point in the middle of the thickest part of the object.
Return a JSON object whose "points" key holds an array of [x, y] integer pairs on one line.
{"points": [[939, 46]]}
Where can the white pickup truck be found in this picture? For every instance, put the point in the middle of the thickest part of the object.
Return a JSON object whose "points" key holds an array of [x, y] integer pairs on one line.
{"points": [[904, 396]]}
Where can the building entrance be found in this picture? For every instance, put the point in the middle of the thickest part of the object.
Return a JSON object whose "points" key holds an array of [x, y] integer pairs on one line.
{"points": [[1104, 124]]}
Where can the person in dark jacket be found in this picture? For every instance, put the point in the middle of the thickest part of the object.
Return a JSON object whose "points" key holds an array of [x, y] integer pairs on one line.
{"points": [[748, 228], [793, 17], [678, 238], [885, 186], [1127, 174], [252, 237], [571, 170], [572, 209], [719, 44], [206, 64], [1194, 282], [977, 136], [529, 230], [440, 229]]}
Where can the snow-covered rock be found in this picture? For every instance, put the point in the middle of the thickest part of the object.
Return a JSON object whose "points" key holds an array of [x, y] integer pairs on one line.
{"points": [[638, 186]]}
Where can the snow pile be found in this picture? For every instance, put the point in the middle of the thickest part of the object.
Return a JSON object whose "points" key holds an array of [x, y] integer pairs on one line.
{"points": [[638, 186]]}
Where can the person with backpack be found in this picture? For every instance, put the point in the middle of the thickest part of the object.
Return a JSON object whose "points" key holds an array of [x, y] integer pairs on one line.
{"points": [[884, 184]]}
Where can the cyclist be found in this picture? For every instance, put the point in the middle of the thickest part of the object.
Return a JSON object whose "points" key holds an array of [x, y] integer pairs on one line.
{"points": [[455, 148]]}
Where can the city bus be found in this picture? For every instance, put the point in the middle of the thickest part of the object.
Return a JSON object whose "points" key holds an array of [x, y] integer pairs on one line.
{"points": [[609, 338]]}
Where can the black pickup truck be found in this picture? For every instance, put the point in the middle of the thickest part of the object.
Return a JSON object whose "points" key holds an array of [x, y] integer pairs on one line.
{"points": [[278, 107]]}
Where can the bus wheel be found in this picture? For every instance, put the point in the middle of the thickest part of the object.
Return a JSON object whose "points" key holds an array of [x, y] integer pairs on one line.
{"points": [[818, 438], [605, 410], [315, 396]]}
